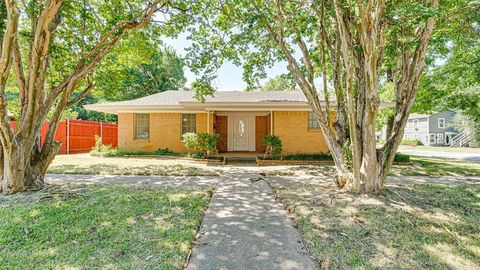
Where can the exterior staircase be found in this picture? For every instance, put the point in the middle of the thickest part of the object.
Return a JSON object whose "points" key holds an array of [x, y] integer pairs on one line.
{"points": [[462, 139]]}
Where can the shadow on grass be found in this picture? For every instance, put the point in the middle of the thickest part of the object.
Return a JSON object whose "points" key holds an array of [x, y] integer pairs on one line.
{"points": [[407, 227], [100, 227], [111, 169]]}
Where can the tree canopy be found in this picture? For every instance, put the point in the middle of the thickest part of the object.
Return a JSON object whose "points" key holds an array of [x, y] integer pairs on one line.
{"points": [[356, 46], [283, 82], [162, 71], [50, 51]]}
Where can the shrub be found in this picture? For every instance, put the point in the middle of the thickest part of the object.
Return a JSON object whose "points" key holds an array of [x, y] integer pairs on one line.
{"points": [[102, 150], [190, 140], [203, 142], [313, 156], [165, 152], [401, 158], [411, 142], [273, 145], [207, 143]]}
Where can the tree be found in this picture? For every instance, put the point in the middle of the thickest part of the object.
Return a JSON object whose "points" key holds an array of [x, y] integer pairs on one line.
{"points": [[454, 61], [163, 71], [351, 44], [282, 82], [51, 49]]}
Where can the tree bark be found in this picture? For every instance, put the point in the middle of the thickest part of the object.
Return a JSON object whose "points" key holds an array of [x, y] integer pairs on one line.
{"points": [[23, 160]]}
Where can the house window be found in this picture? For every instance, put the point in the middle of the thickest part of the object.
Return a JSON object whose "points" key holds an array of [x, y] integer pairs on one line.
{"points": [[189, 123], [432, 138], [415, 124], [142, 126], [440, 138], [312, 122], [441, 122]]}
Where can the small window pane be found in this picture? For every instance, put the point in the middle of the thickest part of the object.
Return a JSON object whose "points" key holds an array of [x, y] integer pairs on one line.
{"points": [[189, 123], [441, 122], [440, 138], [312, 122], [142, 126]]}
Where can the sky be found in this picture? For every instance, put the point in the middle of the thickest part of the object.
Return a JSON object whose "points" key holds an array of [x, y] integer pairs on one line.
{"points": [[229, 76]]}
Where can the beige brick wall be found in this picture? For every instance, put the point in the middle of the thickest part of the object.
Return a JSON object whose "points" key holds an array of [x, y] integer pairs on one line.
{"points": [[292, 128], [165, 129]]}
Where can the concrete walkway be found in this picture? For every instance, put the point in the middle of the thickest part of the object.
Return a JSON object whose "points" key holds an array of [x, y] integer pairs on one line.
{"points": [[245, 228]]}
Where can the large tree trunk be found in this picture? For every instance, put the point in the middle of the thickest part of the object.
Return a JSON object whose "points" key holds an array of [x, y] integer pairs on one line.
{"points": [[23, 172], [23, 161]]}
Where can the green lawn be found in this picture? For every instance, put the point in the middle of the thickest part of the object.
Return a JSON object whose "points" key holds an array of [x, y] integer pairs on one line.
{"points": [[86, 164], [437, 166], [419, 166], [408, 227], [100, 227]]}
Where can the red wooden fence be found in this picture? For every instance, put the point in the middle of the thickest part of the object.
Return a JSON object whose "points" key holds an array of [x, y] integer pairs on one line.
{"points": [[78, 136]]}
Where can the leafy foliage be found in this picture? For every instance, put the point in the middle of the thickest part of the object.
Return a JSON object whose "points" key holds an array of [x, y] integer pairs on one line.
{"points": [[203, 142], [273, 145], [283, 82], [162, 70], [102, 150], [411, 142]]}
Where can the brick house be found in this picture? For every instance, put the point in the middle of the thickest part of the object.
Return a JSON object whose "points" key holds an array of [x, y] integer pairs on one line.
{"points": [[241, 119]]}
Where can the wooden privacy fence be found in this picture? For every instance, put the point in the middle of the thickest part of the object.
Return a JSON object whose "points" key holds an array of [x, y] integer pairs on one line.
{"points": [[78, 136]]}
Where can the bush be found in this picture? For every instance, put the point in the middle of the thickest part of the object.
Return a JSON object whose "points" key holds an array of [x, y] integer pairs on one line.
{"points": [[273, 145], [190, 140], [203, 142], [165, 152], [401, 158], [102, 150], [313, 156], [411, 142]]}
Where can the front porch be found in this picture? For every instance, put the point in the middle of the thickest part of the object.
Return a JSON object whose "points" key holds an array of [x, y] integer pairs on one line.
{"points": [[241, 133]]}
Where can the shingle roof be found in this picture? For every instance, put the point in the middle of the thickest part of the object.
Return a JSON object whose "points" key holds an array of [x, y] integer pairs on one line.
{"points": [[176, 97], [417, 115], [221, 100]]}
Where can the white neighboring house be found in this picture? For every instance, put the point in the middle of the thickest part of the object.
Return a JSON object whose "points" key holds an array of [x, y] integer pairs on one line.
{"points": [[431, 130]]}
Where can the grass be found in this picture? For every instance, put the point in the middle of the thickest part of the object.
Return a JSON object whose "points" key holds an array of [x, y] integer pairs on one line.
{"points": [[417, 167], [86, 164], [100, 227], [438, 167], [443, 149], [327, 156], [109, 151], [407, 227]]}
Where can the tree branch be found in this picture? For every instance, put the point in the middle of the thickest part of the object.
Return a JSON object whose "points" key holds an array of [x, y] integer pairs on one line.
{"points": [[82, 94]]}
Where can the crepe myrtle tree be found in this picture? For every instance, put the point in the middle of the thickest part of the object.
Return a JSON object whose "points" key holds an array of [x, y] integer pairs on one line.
{"points": [[49, 48], [347, 44]]}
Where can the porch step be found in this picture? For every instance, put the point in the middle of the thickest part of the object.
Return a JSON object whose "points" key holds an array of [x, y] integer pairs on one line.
{"points": [[240, 159]]}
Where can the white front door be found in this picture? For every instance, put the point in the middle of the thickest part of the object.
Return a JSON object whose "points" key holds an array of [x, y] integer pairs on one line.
{"points": [[241, 133]]}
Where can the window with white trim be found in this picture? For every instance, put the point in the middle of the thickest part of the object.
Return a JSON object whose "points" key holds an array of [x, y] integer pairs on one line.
{"points": [[441, 122], [415, 124], [433, 138], [440, 138], [142, 126], [189, 123], [312, 122]]}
